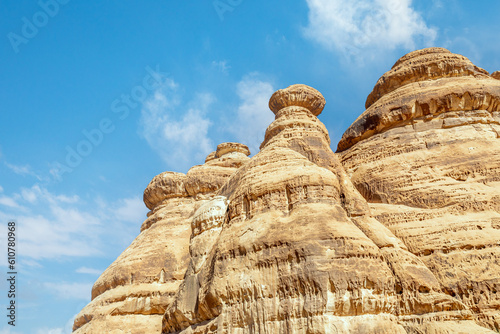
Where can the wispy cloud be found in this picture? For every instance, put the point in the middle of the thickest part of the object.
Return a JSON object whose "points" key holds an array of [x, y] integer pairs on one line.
{"points": [[89, 271], [64, 290], [53, 226], [51, 331], [36, 192], [181, 141], [9, 202], [130, 210], [58, 226], [25, 170], [356, 28], [180, 131], [21, 170], [8, 330], [221, 65], [64, 233], [253, 115]]}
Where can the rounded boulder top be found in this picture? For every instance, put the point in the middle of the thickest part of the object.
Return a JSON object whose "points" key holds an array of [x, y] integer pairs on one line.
{"points": [[300, 96], [226, 148], [417, 53], [423, 85], [164, 186], [421, 65]]}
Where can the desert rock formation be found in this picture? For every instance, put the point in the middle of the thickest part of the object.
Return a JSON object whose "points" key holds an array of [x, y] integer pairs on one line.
{"points": [[132, 295], [397, 232], [426, 156]]}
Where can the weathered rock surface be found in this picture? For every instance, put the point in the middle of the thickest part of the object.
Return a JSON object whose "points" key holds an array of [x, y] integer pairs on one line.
{"points": [[426, 155], [132, 295], [398, 232], [299, 251]]}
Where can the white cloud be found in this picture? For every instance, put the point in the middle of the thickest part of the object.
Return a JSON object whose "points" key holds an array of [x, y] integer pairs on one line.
{"points": [[29, 263], [437, 4], [89, 271], [57, 226], [29, 195], [50, 331], [51, 225], [253, 115], [57, 236], [22, 170], [356, 28], [130, 210], [64, 290], [180, 141], [221, 65], [32, 195], [8, 330], [9, 202]]}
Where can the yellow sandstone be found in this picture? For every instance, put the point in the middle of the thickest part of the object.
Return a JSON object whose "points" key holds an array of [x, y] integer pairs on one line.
{"points": [[396, 232]]}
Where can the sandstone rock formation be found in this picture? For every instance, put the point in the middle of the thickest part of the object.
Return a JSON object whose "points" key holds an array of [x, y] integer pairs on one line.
{"points": [[426, 156], [132, 295], [398, 232]]}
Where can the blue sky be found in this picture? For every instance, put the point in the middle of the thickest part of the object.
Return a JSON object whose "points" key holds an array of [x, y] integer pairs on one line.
{"points": [[96, 98]]}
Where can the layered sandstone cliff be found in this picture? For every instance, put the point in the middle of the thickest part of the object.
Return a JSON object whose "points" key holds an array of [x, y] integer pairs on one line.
{"points": [[426, 156], [132, 295], [398, 232]]}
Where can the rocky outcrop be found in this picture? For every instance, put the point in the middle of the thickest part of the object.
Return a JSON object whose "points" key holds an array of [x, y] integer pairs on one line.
{"points": [[299, 250], [423, 65], [426, 155], [132, 295], [430, 83], [397, 232]]}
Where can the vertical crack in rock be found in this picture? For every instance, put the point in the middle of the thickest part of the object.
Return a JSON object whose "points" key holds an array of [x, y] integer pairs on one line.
{"points": [[289, 199], [246, 207]]}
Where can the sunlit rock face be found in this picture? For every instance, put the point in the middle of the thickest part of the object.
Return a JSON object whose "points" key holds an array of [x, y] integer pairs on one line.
{"points": [[426, 156], [132, 295], [397, 232]]}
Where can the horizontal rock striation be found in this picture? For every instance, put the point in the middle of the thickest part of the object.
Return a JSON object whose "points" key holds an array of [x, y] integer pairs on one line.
{"points": [[135, 290], [426, 156], [299, 250], [397, 232], [423, 65]]}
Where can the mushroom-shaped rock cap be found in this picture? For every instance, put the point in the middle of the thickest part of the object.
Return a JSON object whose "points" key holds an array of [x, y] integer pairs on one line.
{"points": [[163, 186], [496, 75], [226, 148], [300, 96], [421, 65], [424, 85], [200, 179]]}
